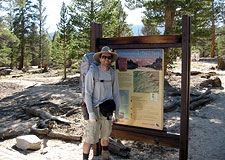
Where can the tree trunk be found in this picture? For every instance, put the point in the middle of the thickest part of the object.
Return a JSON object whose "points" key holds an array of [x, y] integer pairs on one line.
{"points": [[22, 56], [169, 18], [54, 134], [220, 63], [40, 48], [213, 33], [22, 47], [64, 53], [45, 115], [11, 59], [168, 21]]}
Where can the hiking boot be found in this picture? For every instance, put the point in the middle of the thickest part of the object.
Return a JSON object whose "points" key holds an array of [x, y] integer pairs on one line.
{"points": [[105, 155]]}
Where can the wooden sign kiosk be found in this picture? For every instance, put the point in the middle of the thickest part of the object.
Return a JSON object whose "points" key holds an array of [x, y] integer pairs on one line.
{"points": [[158, 137]]}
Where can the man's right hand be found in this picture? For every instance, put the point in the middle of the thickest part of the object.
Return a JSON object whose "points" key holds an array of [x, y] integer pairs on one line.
{"points": [[115, 117]]}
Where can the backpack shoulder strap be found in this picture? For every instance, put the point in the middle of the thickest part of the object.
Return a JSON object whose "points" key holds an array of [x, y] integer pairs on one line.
{"points": [[95, 73], [112, 74]]}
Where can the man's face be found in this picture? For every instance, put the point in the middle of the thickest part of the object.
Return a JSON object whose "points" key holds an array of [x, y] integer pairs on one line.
{"points": [[106, 59]]}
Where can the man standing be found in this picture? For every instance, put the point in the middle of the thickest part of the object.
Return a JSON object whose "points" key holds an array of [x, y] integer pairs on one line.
{"points": [[101, 85]]}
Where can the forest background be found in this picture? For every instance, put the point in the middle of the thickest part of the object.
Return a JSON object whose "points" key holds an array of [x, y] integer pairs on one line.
{"points": [[25, 42]]}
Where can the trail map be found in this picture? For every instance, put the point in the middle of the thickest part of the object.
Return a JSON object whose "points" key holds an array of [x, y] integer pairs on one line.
{"points": [[141, 81]]}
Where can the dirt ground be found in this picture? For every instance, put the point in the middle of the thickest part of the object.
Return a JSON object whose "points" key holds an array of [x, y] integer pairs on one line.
{"points": [[48, 92]]}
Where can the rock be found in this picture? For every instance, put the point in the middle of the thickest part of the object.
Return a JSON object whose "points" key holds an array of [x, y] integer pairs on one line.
{"points": [[208, 75], [2, 73], [216, 82], [24, 70], [220, 63], [5, 72], [28, 142], [193, 73]]}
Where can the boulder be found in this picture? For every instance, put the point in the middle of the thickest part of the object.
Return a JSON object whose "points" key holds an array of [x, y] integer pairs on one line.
{"points": [[216, 82], [28, 142], [220, 63], [4, 72]]}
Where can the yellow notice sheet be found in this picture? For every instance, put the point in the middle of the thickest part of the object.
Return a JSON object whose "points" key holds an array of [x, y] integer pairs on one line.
{"points": [[141, 81]]}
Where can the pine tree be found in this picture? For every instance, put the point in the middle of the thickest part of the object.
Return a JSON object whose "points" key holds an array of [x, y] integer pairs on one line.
{"points": [[22, 24], [220, 41], [8, 19], [41, 22], [113, 18], [7, 39], [56, 58], [64, 31], [217, 19], [33, 39], [46, 48]]}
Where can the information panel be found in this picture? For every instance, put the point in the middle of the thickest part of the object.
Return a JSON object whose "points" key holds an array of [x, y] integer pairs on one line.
{"points": [[141, 85]]}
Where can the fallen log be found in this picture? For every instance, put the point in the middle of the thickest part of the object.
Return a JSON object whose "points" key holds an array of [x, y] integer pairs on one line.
{"points": [[45, 115], [207, 92], [173, 106], [47, 123], [72, 111], [208, 75], [35, 84], [200, 102], [17, 76], [50, 133], [64, 136], [178, 93], [118, 148], [177, 73], [41, 103], [194, 73], [216, 82], [15, 129]]}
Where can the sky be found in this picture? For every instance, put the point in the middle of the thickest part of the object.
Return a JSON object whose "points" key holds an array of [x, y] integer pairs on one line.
{"points": [[53, 8]]}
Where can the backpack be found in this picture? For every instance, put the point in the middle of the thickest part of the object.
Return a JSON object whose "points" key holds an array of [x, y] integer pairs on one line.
{"points": [[87, 63]]}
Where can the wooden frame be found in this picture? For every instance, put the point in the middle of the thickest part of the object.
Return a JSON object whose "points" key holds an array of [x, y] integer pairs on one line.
{"points": [[150, 42]]}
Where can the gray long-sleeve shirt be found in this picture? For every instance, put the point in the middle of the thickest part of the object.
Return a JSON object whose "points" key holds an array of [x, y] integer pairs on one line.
{"points": [[99, 87]]}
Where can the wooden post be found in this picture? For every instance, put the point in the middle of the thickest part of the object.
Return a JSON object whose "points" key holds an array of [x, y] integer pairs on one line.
{"points": [[96, 32], [185, 87]]}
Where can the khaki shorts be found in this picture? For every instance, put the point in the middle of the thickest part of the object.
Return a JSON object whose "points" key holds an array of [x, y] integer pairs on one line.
{"points": [[95, 130]]}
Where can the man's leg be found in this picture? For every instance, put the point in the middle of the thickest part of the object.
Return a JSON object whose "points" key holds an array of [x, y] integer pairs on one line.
{"points": [[106, 129], [91, 136], [104, 142], [86, 150], [105, 151]]}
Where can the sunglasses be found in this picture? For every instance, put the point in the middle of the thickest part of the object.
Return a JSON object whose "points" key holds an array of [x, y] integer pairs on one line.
{"points": [[106, 57]]}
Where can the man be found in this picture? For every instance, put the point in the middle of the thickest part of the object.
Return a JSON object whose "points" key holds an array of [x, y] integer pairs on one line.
{"points": [[101, 84]]}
